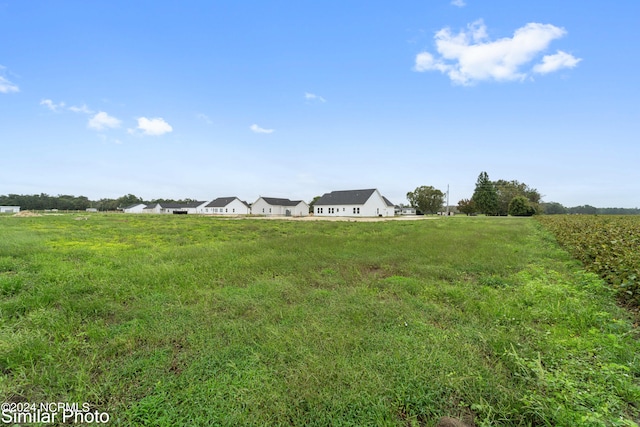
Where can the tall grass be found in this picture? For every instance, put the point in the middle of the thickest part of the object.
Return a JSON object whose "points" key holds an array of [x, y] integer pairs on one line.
{"points": [[165, 320]]}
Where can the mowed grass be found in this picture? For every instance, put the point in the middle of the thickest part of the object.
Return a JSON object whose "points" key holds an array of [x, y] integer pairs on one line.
{"points": [[183, 320]]}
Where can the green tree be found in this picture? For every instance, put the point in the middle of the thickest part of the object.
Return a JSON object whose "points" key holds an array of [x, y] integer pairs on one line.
{"points": [[584, 209], [466, 206], [521, 206], [485, 195], [128, 200], [312, 203], [554, 208], [426, 199], [507, 190]]}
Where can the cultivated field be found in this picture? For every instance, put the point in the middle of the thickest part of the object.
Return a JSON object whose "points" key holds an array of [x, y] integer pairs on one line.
{"points": [[607, 245], [186, 320]]}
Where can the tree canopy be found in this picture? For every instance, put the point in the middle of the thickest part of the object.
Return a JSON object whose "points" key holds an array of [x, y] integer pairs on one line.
{"points": [[426, 199]]}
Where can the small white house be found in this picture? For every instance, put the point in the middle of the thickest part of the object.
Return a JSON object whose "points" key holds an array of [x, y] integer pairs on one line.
{"points": [[137, 208], [225, 206], [356, 203], [271, 206], [9, 209], [173, 208], [406, 210]]}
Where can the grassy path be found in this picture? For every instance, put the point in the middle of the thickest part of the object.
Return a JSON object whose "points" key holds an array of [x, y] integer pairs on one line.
{"points": [[176, 320]]}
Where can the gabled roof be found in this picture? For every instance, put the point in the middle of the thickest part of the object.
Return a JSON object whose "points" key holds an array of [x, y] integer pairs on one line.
{"points": [[174, 205], [221, 202], [280, 202], [134, 205], [388, 202], [348, 197]]}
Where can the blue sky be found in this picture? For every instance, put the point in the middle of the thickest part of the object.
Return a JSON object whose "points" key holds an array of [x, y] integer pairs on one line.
{"points": [[205, 99]]}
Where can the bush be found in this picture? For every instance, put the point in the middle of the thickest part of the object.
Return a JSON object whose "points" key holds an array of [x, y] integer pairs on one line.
{"points": [[520, 206]]}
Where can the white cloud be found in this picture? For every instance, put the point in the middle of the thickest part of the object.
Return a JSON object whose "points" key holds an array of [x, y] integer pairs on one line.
{"points": [[154, 127], [551, 63], [469, 57], [5, 85], [82, 109], [102, 121], [458, 3], [257, 129], [313, 97], [51, 105]]}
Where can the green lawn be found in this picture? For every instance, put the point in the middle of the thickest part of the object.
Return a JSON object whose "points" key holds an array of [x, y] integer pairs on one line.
{"points": [[186, 320]]}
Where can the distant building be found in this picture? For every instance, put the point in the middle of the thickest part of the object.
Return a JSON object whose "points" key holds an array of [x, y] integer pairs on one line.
{"points": [[173, 208], [9, 209], [226, 206], [136, 208], [356, 203], [406, 210], [271, 206]]}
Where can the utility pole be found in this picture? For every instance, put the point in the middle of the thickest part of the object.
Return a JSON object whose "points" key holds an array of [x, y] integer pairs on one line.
{"points": [[447, 199]]}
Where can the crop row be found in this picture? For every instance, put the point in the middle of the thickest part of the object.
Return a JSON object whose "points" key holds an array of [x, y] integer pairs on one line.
{"points": [[607, 245]]}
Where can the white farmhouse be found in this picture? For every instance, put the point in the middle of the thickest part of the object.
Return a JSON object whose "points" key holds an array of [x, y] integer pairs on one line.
{"points": [[271, 206], [137, 208], [9, 209], [226, 206], [354, 203]]}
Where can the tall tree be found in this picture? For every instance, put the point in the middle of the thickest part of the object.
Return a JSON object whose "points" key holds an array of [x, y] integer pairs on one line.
{"points": [[426, 199], [485, 195]]}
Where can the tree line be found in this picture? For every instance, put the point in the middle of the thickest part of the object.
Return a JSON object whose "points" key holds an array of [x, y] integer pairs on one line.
{"points": [[503, 198], [44, 201]]}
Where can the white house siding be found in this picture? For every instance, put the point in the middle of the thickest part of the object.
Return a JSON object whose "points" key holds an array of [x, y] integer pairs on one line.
{"points": [[262, 207], [139, 208], [301, 209], [375, 205], [234, 207], [9, 209]]}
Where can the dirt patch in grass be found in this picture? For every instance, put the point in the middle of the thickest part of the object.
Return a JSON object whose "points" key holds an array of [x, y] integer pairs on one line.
{"points": [[25, 214]]}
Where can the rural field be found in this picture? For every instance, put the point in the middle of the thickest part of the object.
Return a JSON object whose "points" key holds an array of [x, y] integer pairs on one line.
{"points": [[166, 320]]}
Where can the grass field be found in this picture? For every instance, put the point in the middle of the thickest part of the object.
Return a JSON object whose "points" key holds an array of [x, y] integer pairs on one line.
{"points": [[187, 320]]}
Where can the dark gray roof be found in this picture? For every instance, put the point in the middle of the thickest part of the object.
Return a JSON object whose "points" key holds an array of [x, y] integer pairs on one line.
{"points": [[388, 202], [221, 202], [280, 202], [175, 205], [348, 197]]}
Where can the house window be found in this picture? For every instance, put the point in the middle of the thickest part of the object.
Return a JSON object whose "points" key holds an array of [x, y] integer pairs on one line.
{"points": [[233, 210], [226, 210]]}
